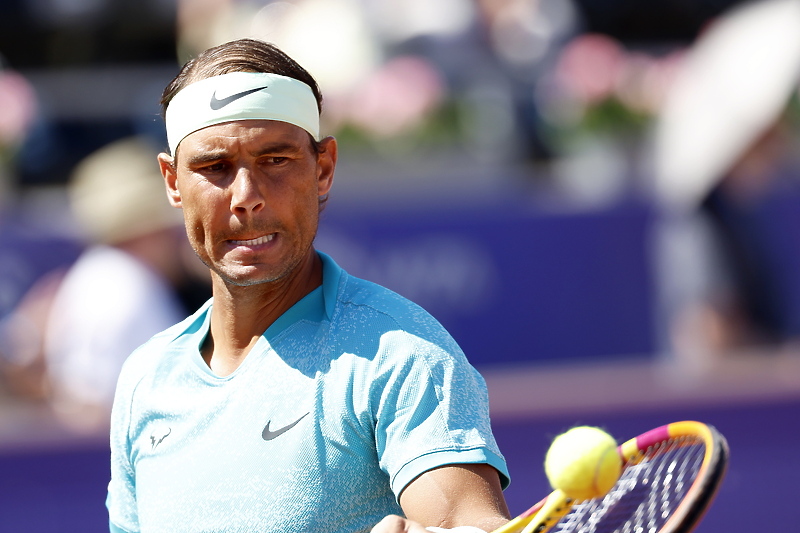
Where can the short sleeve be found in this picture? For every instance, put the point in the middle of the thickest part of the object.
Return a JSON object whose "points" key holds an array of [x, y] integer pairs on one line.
{"points": [[432, 410]]}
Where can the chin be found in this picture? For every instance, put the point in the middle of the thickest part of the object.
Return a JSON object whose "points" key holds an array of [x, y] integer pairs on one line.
{"points": [[247, 279]]}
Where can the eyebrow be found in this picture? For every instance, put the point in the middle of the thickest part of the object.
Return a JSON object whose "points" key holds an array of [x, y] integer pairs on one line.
{"points": [[205, 157], [278, 147], [212, 155]]}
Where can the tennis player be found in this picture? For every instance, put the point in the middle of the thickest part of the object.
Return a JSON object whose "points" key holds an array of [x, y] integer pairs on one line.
{"points": [[299, 398]]}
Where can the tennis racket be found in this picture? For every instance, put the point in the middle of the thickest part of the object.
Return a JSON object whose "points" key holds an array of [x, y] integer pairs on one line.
{"points": [[669, 478]]}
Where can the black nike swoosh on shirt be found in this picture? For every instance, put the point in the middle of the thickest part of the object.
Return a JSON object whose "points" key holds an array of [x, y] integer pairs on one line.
{"points": [[217, 104], [269, 435]]}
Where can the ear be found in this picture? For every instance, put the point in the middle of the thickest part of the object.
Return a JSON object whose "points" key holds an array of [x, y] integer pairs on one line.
{"points": [[167, 165], [326, 164]]}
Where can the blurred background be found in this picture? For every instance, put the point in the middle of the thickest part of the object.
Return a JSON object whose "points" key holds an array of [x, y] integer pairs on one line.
{"points": [[598, 198]]}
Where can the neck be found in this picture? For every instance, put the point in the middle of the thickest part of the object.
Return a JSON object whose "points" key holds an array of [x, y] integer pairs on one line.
{"points": [[241, 315]]}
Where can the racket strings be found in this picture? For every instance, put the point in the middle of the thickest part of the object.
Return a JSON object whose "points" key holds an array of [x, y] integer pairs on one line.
{"points": [[652, 486]]}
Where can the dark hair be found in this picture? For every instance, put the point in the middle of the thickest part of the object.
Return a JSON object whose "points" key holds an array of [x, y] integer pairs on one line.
{"points": [[242, 55]]}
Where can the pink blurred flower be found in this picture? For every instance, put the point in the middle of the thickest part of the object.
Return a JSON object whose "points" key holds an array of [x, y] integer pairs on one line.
{"points": [[398, 97], [589, 66], [17, 107]]}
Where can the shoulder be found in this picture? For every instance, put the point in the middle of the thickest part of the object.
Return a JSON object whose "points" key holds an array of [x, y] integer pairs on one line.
{"points": [[106, 265], [359, 298], [107, 282], [362, 303], [363, 311], [390, 334]]}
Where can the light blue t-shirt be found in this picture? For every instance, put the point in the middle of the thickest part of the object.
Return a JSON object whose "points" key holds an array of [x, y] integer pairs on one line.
{"points": [[345, 399]]}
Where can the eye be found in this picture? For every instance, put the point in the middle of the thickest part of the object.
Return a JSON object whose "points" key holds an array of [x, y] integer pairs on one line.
{"points": [[214, 167]]}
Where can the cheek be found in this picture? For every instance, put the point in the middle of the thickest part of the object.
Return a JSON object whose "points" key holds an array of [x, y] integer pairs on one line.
{"points": [[195, 226], [307, 212]]}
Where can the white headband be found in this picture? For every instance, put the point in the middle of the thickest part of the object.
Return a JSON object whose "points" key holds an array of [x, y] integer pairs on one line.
{"points": [[241, 96]]}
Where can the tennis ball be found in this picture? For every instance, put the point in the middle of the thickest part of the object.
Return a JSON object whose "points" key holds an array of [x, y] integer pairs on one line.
{"points": [[583, 463]]}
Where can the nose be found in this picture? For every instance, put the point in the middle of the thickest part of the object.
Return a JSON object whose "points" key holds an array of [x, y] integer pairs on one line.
{"points": [[246, 195]]}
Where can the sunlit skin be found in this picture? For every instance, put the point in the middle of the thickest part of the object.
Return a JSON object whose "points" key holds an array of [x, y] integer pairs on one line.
{"points": [[250, 193]]}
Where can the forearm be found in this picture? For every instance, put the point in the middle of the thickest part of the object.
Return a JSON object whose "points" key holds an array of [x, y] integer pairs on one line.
{"points": [[457, 495]]}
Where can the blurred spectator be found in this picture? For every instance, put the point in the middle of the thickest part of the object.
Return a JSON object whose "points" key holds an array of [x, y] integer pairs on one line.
{"points": [[71, 333], [751, 305], [739, 296], [722, 170]]}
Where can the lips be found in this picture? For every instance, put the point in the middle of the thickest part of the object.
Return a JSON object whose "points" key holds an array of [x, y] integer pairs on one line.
{"points": [[254, 242]]}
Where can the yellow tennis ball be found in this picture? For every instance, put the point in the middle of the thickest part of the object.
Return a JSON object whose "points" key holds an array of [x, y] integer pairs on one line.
{"points": [[583, 463]]}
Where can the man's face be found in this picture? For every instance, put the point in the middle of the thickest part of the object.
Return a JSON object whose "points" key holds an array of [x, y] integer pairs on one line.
{"points": [[250, 195]]}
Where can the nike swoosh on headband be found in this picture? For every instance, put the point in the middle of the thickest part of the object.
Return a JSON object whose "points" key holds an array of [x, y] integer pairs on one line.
{"points": [[269, 435], [217, 104]]}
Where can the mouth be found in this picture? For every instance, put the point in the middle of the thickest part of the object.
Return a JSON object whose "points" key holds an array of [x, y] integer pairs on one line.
{"points": [[254, 242]]}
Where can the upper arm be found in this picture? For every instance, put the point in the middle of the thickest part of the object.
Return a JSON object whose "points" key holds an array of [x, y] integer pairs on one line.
{"points": [[456, 495]]}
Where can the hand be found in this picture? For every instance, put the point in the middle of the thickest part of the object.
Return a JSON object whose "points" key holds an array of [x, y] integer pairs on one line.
{"points": [[398, 524]]}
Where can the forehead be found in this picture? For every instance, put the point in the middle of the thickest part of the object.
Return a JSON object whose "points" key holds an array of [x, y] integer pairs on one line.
{"points": [[253, 134]]}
